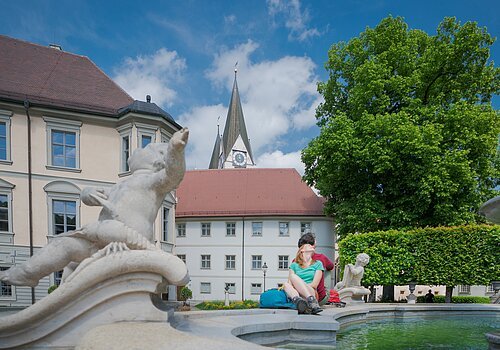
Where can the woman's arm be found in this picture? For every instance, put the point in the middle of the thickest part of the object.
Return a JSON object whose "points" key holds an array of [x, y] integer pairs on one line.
{"points": [[316, 279]]}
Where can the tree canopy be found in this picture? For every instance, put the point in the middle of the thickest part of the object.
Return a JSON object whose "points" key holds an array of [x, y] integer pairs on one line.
{"points": [[408, 134]]}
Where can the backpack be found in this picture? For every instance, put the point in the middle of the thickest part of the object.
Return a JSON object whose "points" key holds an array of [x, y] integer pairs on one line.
{"points": [[275, 299]]}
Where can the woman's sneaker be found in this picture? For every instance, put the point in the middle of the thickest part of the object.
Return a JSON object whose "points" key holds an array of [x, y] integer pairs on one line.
{"points": [[313, 304], [302, 306]]}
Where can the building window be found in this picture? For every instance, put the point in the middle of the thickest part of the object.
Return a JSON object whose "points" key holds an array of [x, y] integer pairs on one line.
{"points": [[256, 262], [182, 257], [463, 289], [205, 229], [305, 227], [283, 262], [145, 140], [205, 262], [284, 228], [230, 229], [6, 289], [5, 135], [166, 212], [5, 213], [205, 288], [231, 288], [181, 230], [125, 152], [256, 288], [63, 149], [145, 134], [64, 216], [63, 143], [256, 228], [230, 262], [58, 277]]}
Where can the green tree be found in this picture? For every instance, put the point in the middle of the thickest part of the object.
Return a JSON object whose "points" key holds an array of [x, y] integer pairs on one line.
{"points": [[408, 134]]}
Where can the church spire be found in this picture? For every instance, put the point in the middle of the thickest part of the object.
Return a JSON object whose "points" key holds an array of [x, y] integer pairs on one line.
{"points": [[233, 149], [217, 153]]}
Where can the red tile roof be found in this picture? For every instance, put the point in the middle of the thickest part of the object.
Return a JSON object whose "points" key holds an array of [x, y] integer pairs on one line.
{"points": [[246, 192], [52, 77]]}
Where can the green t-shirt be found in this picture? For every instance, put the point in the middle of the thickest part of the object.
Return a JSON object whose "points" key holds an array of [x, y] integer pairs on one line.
{"points": [[307, 274]]}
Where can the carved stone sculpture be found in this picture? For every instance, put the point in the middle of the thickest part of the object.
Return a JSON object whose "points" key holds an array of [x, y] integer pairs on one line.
{"points": [[350, 289], [112, 269], [491, 210], [129, 209]]}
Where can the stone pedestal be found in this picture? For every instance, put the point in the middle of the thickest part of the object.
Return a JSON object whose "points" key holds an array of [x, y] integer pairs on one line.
{"points": [[115, 288]]}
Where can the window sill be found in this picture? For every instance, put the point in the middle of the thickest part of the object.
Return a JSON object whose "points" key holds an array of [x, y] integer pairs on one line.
{"points": [[257, 235], [230, 235], [5, 162], [180, 236], [231, 269], [284, 235], [124, 173], [60, 168]]}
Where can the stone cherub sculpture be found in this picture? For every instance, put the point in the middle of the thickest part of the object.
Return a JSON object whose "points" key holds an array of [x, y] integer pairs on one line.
{"points": [[129, 209], [350, 289]]}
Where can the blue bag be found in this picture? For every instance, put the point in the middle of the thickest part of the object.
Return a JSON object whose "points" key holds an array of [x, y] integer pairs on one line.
{"points": [[275, 299]]}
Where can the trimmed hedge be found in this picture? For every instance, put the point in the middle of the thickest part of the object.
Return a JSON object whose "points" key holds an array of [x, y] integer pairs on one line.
{"points": [[219, 305], [440, 299], [449, 256]]}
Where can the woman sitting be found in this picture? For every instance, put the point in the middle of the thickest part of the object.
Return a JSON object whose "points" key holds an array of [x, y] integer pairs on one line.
{"points": [[303, 279]]}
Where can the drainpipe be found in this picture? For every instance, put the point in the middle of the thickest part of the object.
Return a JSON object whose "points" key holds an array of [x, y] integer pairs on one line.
{"points": [[30, 189], [243, 262]]}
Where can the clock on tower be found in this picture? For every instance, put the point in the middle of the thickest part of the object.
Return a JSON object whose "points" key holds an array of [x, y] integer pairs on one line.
{"points": [[239, 159]]}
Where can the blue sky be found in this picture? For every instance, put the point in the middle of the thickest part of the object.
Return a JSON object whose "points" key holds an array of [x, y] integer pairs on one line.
{"points": [[183, 54]]}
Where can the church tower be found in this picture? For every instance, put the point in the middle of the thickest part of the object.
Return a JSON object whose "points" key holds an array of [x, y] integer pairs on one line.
{"points": [[233, 149]]}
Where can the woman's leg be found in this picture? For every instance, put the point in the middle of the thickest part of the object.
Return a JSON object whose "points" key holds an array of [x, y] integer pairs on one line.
{"points": [[293, 294], [301, 287]]}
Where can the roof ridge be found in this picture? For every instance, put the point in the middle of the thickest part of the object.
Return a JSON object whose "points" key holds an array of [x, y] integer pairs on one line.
{"points": [[45, 47]]}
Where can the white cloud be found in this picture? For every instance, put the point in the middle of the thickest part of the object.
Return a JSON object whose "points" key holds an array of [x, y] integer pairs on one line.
{"points": [[277, 96], [202, 123], [151, 75], [278, 159], [296, 19]]}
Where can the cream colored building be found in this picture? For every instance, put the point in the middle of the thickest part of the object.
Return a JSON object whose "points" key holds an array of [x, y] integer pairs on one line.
{"points": [[64, 125]]}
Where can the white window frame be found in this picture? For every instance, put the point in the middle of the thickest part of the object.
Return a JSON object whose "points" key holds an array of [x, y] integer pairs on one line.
{"points": [[181, 229], [145, 130], [287, 233], [463, 289], [256, 288], [5, 117], [165, 219], [256, 233], [303, 229], [230, 262], [63, 191], [125, 131], [282, 261], [206, 262], [6, 189], [232, 287], [54, 124], [206, 228], [205, 288], [256, 262], [231, 229], [12, 296]]}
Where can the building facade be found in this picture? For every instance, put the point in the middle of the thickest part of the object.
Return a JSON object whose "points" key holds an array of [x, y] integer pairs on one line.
{"points": [[231, 223], [64, 125]]}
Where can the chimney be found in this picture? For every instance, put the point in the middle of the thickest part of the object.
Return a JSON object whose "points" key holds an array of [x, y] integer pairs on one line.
{"points": [[55, 47], [148, 98]]}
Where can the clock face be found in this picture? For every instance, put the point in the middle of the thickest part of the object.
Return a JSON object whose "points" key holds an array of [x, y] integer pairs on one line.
{"points": [[239, 158]]}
